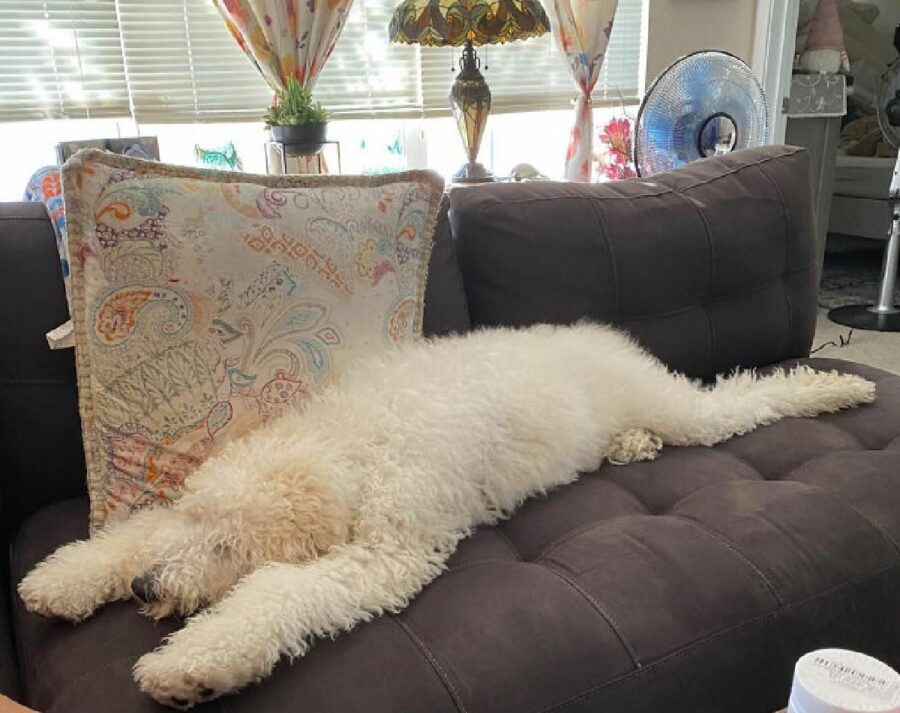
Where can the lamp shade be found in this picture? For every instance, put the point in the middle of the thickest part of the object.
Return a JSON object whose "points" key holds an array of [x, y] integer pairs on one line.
{"points": [[455, 22]]}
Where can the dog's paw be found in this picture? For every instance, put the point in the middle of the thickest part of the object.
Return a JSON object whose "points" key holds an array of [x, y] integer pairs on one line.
{"points": [[46, 593], [634, 444], [174, 682]]}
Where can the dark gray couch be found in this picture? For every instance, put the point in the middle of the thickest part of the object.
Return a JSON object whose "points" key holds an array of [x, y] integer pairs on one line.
{"points": [[689, 584]]}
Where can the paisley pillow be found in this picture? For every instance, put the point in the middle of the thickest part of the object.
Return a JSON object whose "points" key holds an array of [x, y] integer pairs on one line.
{"points": [[45, 186], [205, 301]]}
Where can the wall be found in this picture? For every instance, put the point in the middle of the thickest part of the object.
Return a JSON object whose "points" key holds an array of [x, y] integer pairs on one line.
{"points": [[890, 16], [678, 27]]}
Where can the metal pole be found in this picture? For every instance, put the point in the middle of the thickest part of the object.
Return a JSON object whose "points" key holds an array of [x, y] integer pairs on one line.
{"points": [[883, 315], [885, 304]]}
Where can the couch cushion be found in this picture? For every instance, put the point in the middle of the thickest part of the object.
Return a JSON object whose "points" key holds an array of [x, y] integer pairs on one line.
{"points": [[691, 583], [709, 266], [446, 310]]}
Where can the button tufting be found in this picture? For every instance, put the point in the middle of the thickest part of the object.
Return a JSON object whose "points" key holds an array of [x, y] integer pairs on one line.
{"points": [[778, 449]]}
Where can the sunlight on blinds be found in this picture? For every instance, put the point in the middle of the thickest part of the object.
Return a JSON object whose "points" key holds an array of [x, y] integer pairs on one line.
{"points": [[174, 61], [60, 59]]}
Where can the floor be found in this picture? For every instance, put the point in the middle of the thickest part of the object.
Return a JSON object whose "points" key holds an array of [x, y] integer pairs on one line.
{"points": [[879, 349], [851, 275], [852, 272]]}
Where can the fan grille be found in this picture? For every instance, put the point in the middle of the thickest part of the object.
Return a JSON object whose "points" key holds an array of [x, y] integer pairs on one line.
{"points": [[684, 98]]}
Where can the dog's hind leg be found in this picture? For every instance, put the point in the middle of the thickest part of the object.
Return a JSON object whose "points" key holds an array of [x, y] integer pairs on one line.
{"points": [[81, 576], [683, 413], [276, 610], [633, 445]]}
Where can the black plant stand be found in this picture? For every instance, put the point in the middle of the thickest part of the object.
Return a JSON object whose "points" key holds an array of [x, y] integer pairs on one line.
{"points": [[284, 152]]}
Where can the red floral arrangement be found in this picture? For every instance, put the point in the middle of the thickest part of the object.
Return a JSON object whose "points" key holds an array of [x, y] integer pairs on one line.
{"points": [[615, 161]]}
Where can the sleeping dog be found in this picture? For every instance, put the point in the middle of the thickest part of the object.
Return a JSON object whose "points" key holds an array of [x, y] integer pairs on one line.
{"points": [[328, 517]]}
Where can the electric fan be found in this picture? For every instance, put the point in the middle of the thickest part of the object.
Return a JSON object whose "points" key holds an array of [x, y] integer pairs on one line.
{"points": [[706, 104], [883, 315]]}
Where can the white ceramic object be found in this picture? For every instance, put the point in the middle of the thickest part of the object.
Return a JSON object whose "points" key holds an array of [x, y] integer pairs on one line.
{"points": [[839, 681]]}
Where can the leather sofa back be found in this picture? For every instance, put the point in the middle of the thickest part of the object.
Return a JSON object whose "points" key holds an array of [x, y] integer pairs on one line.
{"points": [[709, 267]]}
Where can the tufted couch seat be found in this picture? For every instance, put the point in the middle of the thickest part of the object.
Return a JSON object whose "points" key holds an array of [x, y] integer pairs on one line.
{"points": [[688, 584]]}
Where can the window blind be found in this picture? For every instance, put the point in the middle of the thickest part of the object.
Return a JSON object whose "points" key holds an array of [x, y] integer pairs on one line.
{"points": [[367, 75], [60, 59], [183, 66], [174, 61]]}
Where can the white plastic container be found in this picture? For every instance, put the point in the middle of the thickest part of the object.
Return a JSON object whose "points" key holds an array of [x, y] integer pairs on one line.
{"points": [[839, 681]]}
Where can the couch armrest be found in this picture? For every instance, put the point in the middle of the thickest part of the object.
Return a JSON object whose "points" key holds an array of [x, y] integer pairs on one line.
{"points": [[710, 267], [40, 432], [9, 667]]}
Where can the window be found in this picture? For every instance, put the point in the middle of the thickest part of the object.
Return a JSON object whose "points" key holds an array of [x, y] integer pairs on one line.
{"points": [[60, 59], [183, 65], [173, 61], [170, 68], [532, 75]]}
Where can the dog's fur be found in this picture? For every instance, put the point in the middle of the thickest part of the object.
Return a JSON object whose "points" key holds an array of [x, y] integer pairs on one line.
{"points": [[327, 518]]}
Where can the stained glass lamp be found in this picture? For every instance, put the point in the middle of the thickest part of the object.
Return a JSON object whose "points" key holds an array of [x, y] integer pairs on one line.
{"points": [[468, 23]]}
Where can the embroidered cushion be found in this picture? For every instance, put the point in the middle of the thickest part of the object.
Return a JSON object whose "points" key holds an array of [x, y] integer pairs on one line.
{"points": [[204, 299], [45, 186]]}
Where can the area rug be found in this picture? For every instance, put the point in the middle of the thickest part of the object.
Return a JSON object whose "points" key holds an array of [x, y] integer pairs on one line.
{"points": [[852, 276]]}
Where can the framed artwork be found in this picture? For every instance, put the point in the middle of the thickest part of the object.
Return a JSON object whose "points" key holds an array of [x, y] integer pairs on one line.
{"points": [[146, 147]]}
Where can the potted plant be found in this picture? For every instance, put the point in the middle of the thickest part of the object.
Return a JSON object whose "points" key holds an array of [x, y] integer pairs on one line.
{"points": [[296, 121]]}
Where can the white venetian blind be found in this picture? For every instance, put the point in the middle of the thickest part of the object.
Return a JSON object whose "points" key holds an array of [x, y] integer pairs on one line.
{"points": [[174, 61], [183, 65], [60, 59], [532, 74], [367, 75], [621, 72]]}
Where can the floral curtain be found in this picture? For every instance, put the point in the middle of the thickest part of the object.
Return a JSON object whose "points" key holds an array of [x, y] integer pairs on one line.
{"points": [[286, 37], [582, 29]]}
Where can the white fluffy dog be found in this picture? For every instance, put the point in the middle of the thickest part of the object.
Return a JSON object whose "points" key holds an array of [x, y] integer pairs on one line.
{"points": [[324, 519]]}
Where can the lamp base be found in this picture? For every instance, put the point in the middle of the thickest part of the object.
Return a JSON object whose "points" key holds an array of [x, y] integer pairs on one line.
{"points": [[866, 317], [470, 102], [473, 173]]}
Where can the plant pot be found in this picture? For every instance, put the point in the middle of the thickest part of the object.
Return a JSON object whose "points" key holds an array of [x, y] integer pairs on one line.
{"points": [[300, 139]]}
